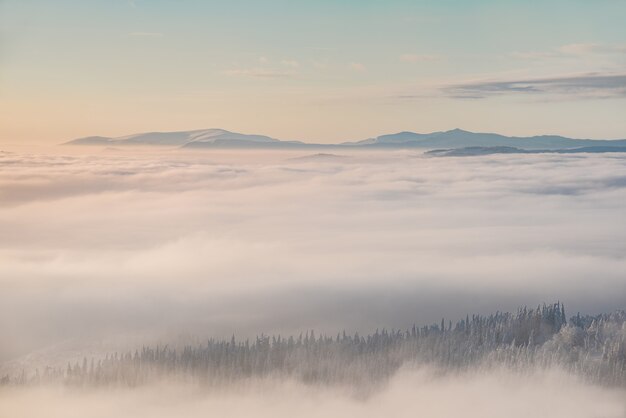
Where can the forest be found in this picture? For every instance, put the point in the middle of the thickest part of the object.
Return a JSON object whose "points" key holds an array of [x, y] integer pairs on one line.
{"points": [[592, 347]]}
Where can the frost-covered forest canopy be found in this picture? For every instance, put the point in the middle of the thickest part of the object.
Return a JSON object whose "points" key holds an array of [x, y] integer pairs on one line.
{"points": [[593, 347]]}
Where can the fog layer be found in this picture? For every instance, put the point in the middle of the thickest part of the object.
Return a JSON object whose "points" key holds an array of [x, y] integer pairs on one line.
{"points": [[410, 393], [94, 247]]}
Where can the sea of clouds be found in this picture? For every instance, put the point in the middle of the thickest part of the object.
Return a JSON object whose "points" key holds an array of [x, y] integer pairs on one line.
{"points": [[144, 246], [410, 393]]}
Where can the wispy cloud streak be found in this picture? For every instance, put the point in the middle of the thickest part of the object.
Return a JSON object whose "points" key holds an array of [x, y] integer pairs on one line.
{"points": [[587, 86]]}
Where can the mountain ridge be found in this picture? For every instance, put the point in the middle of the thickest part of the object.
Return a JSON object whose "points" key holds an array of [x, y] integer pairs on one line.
{"points": [[480, 151], [455, 138]]}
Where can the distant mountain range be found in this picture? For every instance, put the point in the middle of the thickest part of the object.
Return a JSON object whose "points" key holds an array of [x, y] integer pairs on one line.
{"points": [[456, 138], [200, 138], [475, 151]]}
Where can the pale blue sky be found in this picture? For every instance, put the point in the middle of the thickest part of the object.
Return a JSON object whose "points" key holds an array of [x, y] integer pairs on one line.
{"points": [[315, 70]]}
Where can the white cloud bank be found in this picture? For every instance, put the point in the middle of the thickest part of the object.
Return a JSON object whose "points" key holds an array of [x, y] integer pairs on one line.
{"points": [[411, 393], [212, 244]]}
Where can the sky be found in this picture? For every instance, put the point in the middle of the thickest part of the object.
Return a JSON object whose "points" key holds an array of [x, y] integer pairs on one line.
{"points": [[323, 71]]}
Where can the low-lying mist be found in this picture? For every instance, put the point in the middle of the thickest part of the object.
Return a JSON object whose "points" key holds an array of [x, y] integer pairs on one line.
{"points": [[118, 248], [409, 393]]}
